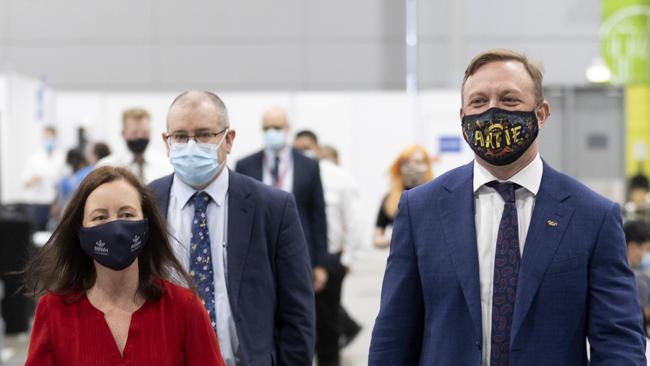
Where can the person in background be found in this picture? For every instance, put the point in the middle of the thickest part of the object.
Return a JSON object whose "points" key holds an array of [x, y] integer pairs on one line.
{"points": [[68, 184], [240, 239], [637, 236], [147, 165], [349, 327], [411, 169], [96, 151], [329, 153], [638, 203], [282, 167], [344, 238], [42, 173], [104, 282]]}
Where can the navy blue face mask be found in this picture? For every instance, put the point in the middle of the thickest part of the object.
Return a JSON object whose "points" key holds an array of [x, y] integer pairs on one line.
{"points": [[115, 244]]}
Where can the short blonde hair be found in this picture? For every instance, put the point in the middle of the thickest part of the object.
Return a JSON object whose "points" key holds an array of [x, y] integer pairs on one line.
{"points": [[533, 68], [136, 114]]}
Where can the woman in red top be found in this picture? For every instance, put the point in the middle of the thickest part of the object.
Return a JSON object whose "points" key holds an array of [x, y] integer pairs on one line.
{"points": [[104, 280]]}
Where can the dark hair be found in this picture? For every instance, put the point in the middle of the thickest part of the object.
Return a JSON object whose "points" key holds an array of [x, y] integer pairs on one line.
{"points": [[101, 150], [639, 181], [63, 268], [308, 134], [75, 159], [637, 232]]}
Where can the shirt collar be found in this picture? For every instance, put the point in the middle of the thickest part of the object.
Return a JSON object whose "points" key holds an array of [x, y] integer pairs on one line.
{"points": [[283, 154], [530, 177], [217, 190]]}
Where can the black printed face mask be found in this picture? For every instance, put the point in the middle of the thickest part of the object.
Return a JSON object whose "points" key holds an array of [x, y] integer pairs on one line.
{"points": [[115, 244], [499, 136]]}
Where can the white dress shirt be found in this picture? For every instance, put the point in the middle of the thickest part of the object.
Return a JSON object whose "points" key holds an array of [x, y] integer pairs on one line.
{"points": [[342, 207], [50, 169], [285, 171], [155, 164], [179, 221], [488, 206]]}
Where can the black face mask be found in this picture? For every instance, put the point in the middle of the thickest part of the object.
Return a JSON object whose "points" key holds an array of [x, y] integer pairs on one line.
{"points": [[499, 136], [137, 146], [115, 244]]}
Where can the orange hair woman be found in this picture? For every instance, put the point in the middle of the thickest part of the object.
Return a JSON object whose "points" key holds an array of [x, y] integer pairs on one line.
{"points": [[411, 168]]}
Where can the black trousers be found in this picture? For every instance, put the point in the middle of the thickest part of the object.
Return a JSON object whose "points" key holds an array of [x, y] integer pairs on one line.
{"points": [[328, 319]]}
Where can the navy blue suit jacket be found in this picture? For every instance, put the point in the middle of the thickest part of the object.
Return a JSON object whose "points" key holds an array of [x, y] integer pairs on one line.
{"points": [[308, 191], [574, 282], [269, 274]]}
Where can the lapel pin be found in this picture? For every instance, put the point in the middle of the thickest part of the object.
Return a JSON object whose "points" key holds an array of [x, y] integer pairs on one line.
{"points": [[551, 223]]}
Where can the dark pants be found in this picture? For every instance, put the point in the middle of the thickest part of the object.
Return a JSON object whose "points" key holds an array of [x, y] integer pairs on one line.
{"points": [[328, 319], [39, 216]]}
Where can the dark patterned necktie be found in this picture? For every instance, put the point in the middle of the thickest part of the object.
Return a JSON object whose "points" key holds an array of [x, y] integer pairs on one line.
{"points": [[201, 256], [275, 171], [506, 271]]}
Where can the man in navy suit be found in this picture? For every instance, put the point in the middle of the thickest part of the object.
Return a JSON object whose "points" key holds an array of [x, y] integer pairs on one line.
{"points": [[285, 168], [240, 240], [505, 261]]}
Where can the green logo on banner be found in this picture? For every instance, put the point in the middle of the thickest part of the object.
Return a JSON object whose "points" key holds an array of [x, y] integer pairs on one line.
{"points": [[625, 41]]}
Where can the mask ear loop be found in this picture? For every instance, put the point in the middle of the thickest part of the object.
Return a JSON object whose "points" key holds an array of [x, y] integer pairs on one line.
{"points": [[223, 163]]}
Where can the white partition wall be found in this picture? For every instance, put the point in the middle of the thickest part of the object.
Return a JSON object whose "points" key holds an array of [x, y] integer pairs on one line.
{"points": [[25, 108]]}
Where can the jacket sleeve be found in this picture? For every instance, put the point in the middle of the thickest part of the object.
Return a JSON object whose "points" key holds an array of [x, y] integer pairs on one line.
{"points": [[295, 317], [397, 335], [615, 324], [40, 345], [318, 221]]}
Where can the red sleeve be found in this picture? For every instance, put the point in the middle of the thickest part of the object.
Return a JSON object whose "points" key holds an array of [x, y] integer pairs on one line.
{"points": [[40, 345], [201, 345]]}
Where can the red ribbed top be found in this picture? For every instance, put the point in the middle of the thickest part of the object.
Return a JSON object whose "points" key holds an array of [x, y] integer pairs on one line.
{"points": [[174, 330]]}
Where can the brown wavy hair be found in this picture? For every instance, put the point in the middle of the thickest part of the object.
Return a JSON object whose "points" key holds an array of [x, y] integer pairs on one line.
{"points": [[396, 180], [63, 268]]}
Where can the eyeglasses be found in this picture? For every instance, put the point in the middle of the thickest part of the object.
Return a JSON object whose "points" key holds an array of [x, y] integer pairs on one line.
{"points": [[202, 137]]}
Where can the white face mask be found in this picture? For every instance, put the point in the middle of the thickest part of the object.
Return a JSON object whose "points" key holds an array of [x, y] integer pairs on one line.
{"points": [[275, 139]]}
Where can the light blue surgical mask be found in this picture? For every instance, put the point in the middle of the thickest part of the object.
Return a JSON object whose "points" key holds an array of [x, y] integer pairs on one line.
{"points": [[645, 262], [275, 139], [48, 145], [195, 164]]}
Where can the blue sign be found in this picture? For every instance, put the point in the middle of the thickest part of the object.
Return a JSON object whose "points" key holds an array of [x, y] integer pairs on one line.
{"points": [[450, 144]]}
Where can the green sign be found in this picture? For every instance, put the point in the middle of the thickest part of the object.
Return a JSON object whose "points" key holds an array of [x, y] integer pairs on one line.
{"points": [[625, 40]]}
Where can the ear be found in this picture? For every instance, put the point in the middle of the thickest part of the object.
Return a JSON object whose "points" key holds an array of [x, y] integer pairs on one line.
{"points": [[165, 142], [542, 113], [230, 139]]}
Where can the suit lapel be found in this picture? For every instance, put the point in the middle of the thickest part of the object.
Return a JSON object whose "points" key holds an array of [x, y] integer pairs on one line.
{"points": [[240, 222], [457, 216], [162, 190], [541, 244], [258, 167]]}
